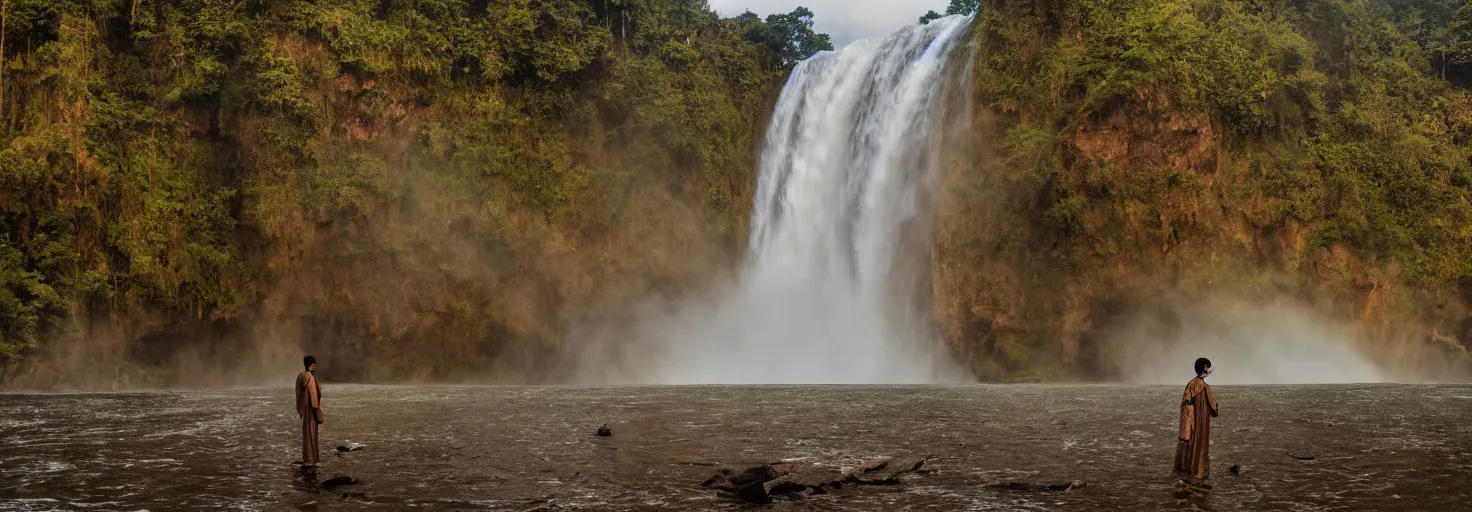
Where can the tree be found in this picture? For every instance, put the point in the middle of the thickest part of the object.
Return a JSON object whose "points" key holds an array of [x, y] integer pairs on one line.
{"points": [[789, 36], [1457, 52], [964, 7]]}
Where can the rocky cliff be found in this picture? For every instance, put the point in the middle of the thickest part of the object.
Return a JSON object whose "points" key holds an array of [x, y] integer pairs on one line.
{"points": [[1146, 175], [197, 192]]}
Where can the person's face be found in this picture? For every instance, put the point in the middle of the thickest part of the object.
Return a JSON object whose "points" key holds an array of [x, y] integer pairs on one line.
{"points": [[313, 368], [1204, 373]]}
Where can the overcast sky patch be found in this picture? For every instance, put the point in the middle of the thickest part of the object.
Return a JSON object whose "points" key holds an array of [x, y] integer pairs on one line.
{"points": [[844, 20]]}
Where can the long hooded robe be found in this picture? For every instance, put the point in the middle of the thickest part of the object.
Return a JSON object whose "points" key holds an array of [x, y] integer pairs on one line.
{"points": [[309, 407], [1198, 406]]}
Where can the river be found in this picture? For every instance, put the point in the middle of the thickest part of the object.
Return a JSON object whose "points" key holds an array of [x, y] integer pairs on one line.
{"points": [[1375, 447]]}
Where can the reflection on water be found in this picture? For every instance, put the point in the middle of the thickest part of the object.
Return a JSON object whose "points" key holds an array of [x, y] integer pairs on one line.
{"points": [[1377, 447]]}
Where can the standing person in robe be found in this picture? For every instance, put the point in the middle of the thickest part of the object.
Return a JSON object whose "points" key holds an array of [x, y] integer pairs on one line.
{"points": [[309, 407], [1198, 406]]}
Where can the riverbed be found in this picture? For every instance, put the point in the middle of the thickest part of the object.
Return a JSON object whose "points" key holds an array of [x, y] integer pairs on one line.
{"points": [[1373, 447]]}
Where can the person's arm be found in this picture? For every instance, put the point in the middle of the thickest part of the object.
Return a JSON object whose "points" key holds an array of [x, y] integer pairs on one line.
{"points": [[314, 398], [301, 392], [1211, 401]]}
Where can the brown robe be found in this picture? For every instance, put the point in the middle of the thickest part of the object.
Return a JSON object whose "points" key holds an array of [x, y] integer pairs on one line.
{"points": [[1198, 406], [309, 407]]}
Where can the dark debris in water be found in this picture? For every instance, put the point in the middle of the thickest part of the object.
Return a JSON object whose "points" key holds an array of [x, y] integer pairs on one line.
{"points": [[759, 484], [338, 481], [1064, 486]]}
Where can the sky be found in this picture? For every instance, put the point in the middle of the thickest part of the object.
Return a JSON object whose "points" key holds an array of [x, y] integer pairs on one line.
{"points": [[844, 20]]}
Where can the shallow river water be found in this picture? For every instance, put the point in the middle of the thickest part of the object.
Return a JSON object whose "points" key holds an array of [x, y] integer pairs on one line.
{"points": [[1375, 447]]}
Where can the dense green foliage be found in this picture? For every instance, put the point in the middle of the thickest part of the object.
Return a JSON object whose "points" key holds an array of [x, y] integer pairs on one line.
{"points": [[1348, 124], [788, 35], [383, 172], [1214, 130], [963, 7]]}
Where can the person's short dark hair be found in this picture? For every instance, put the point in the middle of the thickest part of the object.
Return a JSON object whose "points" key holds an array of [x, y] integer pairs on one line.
{"points": [[1202, 364], [308, 361]]}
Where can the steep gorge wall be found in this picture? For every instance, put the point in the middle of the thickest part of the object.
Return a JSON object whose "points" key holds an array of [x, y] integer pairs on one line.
{"points": [[196, 193], [199, 192], [1143, 171]]}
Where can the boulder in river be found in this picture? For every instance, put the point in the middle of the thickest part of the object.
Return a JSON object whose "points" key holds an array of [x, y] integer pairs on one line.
{"points": [[811, 476], [603, 431], [756, 475], [875, 464], [784, 485], [885, 471], [760, 483], [754, 493], [749, 485], [724, 475]]}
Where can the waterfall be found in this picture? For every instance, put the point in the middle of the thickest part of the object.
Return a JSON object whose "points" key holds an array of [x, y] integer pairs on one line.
{"points": [[835, 288]]}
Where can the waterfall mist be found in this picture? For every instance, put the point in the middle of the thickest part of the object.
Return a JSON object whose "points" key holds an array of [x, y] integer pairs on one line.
{"points": [[1276, 342]]}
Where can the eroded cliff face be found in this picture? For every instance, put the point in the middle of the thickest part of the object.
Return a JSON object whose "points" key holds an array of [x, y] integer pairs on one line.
{"points": [[1087, 227], [411, 192]]}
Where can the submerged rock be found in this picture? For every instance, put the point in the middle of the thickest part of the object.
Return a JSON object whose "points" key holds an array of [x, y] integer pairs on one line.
{"points": [[793, 477], [1039, 486], [722, 476], [784, 485], [888, 473], [875, 464], [1301, 456], [1235, 469], [603, 431], [350, 447], [812, 477], [338, 481], [754, 493], [755, 475], [749, 486]]}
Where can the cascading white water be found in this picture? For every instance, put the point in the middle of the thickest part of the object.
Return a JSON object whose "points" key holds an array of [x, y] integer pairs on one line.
{"points": [[828, 292]]}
